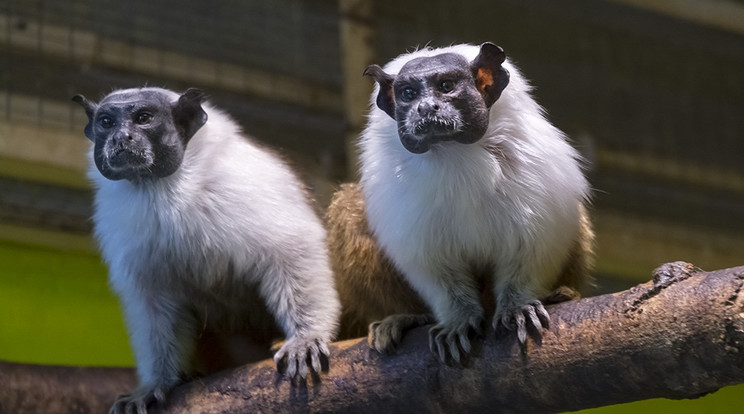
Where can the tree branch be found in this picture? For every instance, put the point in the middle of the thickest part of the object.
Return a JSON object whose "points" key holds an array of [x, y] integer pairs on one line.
{"points": [[680, 336]]}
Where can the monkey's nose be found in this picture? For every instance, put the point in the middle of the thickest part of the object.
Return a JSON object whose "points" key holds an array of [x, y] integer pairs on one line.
{"points": [[427, 107], [121, 138]]}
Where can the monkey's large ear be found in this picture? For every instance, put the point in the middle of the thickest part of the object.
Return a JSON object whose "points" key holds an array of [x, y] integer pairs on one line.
{"points": [[90, 110], [188, 114], [490, 77], [386, 98]]}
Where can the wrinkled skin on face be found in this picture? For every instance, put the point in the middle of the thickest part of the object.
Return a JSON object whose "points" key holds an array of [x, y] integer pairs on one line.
{"points": [[143, 133], [442, 97]]}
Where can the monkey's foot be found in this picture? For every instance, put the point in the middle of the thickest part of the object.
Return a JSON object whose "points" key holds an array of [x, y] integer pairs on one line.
{"points": [[138, 400], [385, 335], [516, 318], [562, 294], [295, 354], [448, 338]]}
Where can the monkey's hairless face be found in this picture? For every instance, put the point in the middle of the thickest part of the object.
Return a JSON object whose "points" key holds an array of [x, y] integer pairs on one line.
{"points": [[442, 97], [142, 133], [436, 100]]}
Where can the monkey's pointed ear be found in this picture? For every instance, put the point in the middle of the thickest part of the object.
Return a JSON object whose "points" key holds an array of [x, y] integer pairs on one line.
{"points": [[90, 111], [386, 98], [188, 114], [490, 77]]}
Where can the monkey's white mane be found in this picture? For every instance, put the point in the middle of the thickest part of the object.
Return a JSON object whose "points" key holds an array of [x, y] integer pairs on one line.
{"points": [[232, 213]]}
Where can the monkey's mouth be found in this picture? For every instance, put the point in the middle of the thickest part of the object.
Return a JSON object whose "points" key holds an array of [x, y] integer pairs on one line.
{"points": [[435, 126], [119, 158], [421, 135]]}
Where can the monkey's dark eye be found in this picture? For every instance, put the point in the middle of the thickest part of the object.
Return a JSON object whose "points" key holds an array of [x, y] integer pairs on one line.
{"points": [[447, 85], [408, 94], [106, 122], [143, 118]]}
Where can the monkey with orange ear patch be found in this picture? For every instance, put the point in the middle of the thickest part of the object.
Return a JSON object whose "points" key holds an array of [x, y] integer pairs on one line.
{"points": [[471, 205]]}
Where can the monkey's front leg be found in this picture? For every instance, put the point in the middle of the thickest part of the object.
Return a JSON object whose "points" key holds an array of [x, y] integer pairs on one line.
{"points": [[307, 310], [516, 306], [162, 338], [453, 297]]}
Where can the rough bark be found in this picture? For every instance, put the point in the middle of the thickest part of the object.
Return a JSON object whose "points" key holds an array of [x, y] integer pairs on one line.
{"points": [[680, 336], [33, 389]]}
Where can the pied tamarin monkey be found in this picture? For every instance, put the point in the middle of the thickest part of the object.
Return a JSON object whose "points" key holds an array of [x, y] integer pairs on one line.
{"points": [[212, 245], [470, 205]]}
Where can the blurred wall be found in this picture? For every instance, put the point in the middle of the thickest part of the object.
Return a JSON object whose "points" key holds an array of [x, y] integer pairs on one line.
{"points": [[652, 93]]}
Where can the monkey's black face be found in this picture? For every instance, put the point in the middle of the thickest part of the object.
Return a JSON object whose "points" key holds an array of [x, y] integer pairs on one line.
{"points": [[141, 133], [436, 100], [443, 97]]}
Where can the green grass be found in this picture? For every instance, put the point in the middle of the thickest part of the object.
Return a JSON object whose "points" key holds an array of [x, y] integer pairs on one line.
{"points": [[728, 400], [56, 308]]}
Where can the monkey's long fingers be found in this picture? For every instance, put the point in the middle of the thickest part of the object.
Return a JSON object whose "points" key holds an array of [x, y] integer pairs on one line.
{"points": [[324, 349], [159, 394], [436, 342], [445, 340], [385, 335], [452, 339], [441, 350], [532, 315], [542, 313], [116, 408], [281, 365], [372, 335], [291, 364], [141, 406], [379, 339], [432, 339], [519, 321], [301, 363], [464, 341], [315, 357]]}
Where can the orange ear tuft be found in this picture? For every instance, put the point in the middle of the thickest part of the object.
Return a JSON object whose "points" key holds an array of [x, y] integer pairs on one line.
{"points": [[483, 79]]}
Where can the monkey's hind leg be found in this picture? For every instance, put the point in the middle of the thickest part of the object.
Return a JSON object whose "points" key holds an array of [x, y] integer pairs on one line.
{"points": [[385, 335], [368, 284], [576, 275]]}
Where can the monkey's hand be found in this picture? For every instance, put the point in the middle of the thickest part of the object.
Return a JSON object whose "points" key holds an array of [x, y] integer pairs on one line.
{"points": [[295, 354], [445, 337], [516, 317], [385, 335], [138, 400]]}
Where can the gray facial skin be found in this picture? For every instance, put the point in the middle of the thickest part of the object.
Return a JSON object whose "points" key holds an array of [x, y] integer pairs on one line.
{"points": [[443, 97], [142, 134]]}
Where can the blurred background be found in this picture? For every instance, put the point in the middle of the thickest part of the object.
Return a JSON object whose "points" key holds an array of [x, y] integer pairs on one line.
{"points": [[651, 92]]}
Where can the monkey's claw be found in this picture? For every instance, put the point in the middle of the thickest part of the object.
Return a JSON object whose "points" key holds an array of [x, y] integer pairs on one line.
{"points": [[516, 318], [138, 400], [449, 338], [385, 335], [297, 352]]}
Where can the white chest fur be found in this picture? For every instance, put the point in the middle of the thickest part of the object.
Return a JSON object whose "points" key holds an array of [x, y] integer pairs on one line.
{"points": [[508, 201]]}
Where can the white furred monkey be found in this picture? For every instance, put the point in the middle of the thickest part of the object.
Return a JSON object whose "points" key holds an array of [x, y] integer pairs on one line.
{"points": [[212, 245], [467, 193]]}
